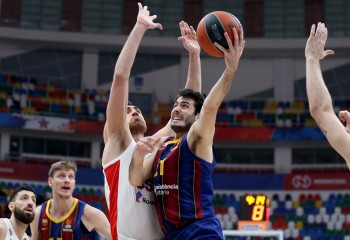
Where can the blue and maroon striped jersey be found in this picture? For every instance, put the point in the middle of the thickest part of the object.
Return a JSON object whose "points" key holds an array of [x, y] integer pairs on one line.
{"points": [[66, 228], [183, 185]]}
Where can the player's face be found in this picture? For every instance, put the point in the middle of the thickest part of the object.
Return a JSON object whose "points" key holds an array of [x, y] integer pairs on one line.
{"points": [[63, 183], [23, 207], [182, 115], [135, 119]]}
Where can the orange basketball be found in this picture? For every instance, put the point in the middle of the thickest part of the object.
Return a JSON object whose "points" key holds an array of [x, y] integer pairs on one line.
{"points": [[212, 28]]}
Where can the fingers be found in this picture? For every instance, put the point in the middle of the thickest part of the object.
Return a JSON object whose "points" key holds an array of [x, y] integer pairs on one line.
{"points": [[140, 5], [193, 32], [328, 52], [321, 31], [221, 48], [186, 29], [182, 28], [312, 31], [160, 26], [236, 39], [149, 143], [344, 116]]}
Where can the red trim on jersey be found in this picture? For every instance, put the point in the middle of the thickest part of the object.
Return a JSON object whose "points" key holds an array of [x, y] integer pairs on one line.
{"points": [[172, 201], [112, 177], [44, 225], [159, 210], [197, 189]]}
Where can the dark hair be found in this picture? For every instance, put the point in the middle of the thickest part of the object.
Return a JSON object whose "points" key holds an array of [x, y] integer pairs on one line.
{"points": [[197, 97], [24, 187]]}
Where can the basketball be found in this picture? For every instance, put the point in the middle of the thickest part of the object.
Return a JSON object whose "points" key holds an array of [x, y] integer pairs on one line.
{"points": [[212, 28]]}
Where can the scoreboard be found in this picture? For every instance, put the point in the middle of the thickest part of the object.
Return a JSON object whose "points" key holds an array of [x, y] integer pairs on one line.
{"points": [[253, 212]]}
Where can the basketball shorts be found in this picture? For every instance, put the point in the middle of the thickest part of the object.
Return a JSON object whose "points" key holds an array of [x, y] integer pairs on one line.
{"points": [[207, 228]]}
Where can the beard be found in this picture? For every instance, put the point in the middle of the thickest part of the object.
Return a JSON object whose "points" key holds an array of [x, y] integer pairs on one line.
{"points": [[137, 127], [183, 128], [22, 216]]}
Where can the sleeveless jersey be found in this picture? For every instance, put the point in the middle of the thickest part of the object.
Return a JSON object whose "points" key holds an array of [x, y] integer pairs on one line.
{"points": [[10, 234], [66, 228], [132, 212], [183, 186]]}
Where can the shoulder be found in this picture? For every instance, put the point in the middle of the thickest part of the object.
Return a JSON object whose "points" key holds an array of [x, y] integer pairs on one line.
{"points": [[3, 228], [91, 215], [38, 208]]}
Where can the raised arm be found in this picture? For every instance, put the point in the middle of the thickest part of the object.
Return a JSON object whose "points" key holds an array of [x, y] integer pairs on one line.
{"points": [[118, 99], [201, 134], [194, 75], [320, 101]]}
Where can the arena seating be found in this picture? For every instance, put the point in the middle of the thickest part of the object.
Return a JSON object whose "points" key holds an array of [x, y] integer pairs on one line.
{"points": [[23, 95], [307, 216]]}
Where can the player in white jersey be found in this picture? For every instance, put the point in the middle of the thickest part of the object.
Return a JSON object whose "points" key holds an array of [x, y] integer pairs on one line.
{"points": [[22, 204], [10, 233], [132, 210]]}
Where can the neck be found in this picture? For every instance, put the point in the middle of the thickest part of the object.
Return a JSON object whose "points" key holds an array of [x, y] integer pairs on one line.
{"points": [[179, 135], [60, 206], [18, 226]]}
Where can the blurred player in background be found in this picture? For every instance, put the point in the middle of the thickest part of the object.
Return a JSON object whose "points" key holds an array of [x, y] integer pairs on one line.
{"points": [[63, 216], [132, 209], [320, 101], [22, 205]]}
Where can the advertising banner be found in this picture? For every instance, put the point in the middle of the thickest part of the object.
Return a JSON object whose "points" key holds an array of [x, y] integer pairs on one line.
{"points": [[317, 181]]}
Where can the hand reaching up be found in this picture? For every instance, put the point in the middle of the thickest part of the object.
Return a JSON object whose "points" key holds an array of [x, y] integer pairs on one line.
{"points": [[316, 42], [146, 20], [189, 38], [345, 117], [234, 52]]}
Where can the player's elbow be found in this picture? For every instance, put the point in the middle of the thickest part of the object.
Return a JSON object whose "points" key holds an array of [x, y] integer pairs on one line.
{"points": [[120, 75], [314, 111], [317, 112]]}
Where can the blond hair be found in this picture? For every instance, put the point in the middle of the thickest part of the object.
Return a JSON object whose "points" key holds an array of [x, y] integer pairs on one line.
{"points": [[64, 164]]}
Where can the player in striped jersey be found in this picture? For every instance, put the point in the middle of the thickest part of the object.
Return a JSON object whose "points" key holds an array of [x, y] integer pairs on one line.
{"points": [[132, 209], [183, 164], [63, 216]]}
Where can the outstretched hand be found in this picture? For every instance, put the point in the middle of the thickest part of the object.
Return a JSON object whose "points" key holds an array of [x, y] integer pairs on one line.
{"points": [[235, 50], [316, 42], [146, 145], [146, 20], [189, 38], [345, 117]]}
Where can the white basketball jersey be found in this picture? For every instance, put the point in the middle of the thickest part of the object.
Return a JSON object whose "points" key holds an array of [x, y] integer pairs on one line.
{"points": [[132, 209], [11, 235]]}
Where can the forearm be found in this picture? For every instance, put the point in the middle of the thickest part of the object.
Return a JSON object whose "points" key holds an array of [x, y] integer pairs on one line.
{"points": [[136, 174], [128, 53], [320, 100], [194, 76], [220, 89]]}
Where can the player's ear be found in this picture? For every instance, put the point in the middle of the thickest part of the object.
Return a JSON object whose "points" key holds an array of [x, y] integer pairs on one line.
{"points": [[11, 206], [196, 117], [49, 181]]}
